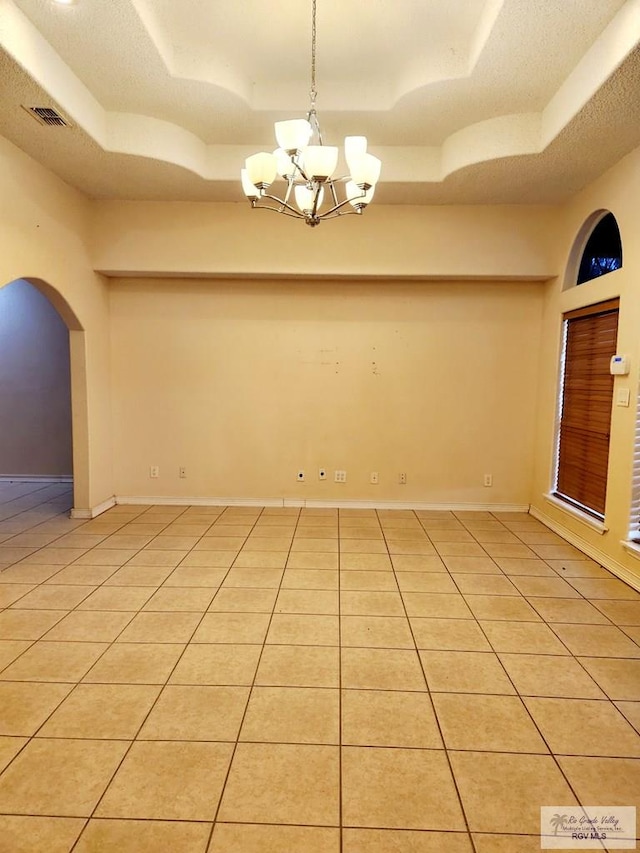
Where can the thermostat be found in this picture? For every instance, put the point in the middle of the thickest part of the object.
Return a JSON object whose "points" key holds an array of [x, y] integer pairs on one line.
{"points": [[619, 365]]}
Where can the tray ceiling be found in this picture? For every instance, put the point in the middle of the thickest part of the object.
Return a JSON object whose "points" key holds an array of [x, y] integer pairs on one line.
{"points": [[465, 101]]}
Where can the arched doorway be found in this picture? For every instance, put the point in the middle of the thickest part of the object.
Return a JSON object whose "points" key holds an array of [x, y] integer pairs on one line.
{"points": [[42, 393]]}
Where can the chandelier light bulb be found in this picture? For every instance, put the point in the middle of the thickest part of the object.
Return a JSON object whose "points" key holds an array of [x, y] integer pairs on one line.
{"points": [[355, 147], [366, 171], [294, 134], [285, 166], [305, 198], [249, 189], [320, 161], [261, 169]]}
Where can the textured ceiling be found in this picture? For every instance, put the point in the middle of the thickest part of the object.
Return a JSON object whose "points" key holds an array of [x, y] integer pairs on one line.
{"points": [[465, 101]]}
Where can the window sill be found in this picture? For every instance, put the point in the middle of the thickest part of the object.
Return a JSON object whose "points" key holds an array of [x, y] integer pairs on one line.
{"points": [[631, 547], [583, 517]]}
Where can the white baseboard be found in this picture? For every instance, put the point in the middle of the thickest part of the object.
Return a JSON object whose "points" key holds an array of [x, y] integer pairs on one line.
{"points": [[137, 500], [38, 478], [167, 500], [94, 511], [415, 505], [590, 550]]}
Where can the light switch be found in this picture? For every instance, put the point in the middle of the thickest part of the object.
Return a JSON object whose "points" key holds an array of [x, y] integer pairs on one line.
{"points": [[622, 397]]}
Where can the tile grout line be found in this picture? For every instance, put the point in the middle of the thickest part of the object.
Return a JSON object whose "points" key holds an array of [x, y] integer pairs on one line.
{"points": [[50, 544], [543, 621], [220, 516], [538, 729], [435, 715], [580, 597], [30, 646], [67, 612], [44, 487], [132, 740], [251, 688], [530, 716]]}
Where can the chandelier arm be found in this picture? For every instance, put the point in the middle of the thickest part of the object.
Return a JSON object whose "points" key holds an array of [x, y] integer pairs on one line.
{"points": [[299, 169], [290, 186], [294, 214], [284, 204], [334, 194], [339, 207], [346, 213], [317, 200], [334, 214], [314, 121]]}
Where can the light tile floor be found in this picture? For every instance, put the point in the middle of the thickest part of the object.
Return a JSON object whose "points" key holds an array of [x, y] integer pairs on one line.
{"points": [[238, 680]]}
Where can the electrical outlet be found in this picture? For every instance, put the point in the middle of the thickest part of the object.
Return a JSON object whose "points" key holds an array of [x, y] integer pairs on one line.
{"points": [[300, 476], [373, 478], [488, 479], [182, 472], [322, 473], [154, 472], [402, 479], [340, 476]]}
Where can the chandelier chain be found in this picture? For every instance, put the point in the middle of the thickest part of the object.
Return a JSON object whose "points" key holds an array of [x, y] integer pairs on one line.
{"points": [[313, 92]]}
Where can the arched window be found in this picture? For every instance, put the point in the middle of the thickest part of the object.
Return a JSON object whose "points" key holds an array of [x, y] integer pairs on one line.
{"points": [[603, 251]]}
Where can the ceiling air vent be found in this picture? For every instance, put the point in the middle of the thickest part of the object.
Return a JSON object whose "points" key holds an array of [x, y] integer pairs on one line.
{"points": [[47, 115]]}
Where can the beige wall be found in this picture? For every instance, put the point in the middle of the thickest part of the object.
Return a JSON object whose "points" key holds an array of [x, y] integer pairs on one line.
{"points": [[35, 388], [501, 242], [244, 383], [617, 191], [44, 239]]}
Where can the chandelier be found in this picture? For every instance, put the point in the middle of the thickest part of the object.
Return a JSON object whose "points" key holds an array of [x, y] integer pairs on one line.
{"points": [[307, 166]]}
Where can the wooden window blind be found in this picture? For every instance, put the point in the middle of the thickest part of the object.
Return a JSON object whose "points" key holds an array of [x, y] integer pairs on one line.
{"points": [[587, 397]]}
